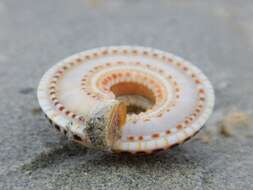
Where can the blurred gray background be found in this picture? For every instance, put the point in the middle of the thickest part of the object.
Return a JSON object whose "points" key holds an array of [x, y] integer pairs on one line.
{"points": [[216, 35]]}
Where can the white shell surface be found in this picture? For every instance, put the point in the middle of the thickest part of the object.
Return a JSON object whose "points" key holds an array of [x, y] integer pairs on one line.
{"points": [[76, 85]]}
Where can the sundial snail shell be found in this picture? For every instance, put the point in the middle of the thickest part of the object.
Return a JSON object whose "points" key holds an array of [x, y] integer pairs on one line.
{"points": [[126, 99]]}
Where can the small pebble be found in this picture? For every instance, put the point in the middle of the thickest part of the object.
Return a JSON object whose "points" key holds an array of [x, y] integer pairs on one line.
{"points": [[236, 124]]}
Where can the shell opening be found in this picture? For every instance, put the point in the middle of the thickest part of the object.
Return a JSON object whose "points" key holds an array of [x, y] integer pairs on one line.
{"points": [[137, 97], [103, 127], [118, 119]]}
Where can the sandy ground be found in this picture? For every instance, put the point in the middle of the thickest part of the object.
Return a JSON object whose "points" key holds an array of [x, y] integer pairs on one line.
{"points": [[216, 35]]}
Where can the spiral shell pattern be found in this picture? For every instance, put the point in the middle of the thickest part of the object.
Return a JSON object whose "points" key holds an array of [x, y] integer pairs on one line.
{"points": [[167, 98]]}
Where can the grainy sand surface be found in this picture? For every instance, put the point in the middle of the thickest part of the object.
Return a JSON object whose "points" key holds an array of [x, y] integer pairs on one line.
{"points": [[216, 35]]}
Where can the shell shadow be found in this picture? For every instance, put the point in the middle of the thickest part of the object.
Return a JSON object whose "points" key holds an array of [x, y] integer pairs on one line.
{"points": [[54, 155], [176, 155], [68, 150]]}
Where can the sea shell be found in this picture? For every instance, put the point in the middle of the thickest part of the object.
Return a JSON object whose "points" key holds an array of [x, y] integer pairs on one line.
{"points": [[126, 98]]}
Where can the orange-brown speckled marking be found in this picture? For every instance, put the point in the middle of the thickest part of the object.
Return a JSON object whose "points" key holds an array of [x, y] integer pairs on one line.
{"points": [[179, 126], [131, 138], [156, 135]]}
